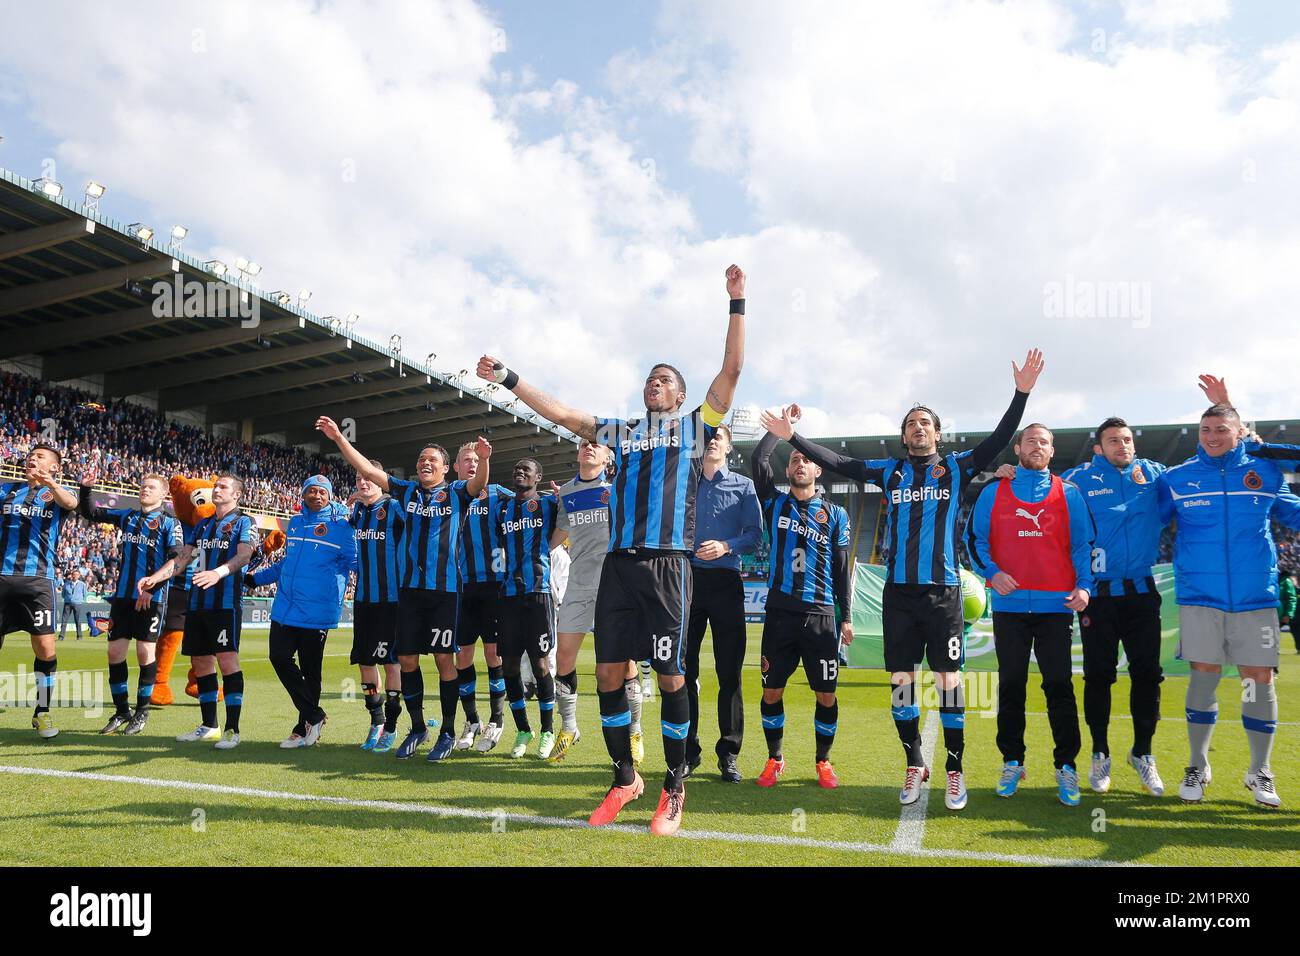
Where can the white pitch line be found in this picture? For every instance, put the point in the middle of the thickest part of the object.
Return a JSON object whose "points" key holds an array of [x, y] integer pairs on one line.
{"points": [[910, 834], [562, 822]]}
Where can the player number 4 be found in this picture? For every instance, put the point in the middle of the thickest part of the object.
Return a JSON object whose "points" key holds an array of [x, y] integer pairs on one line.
{"points": [[222, 639]]}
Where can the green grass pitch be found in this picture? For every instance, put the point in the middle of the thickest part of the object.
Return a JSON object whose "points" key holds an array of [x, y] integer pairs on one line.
{"points": [[517, 809]]}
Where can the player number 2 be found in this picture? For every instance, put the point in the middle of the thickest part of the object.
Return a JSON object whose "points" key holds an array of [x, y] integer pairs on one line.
{"points": [[664, 647], [954, 648]]}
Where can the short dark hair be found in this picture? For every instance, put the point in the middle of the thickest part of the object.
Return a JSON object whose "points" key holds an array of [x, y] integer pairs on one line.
{"points": [[1113, 422], [681, 379], [1034, 425], [1221, 410], [58, 455], [446, 461], [934, 417], [536, 464]]}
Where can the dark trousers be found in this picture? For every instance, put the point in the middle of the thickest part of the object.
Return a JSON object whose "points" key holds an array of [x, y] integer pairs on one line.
{"points": [[301, 678], [718, 602], [1134, 621], [1048, 636]]}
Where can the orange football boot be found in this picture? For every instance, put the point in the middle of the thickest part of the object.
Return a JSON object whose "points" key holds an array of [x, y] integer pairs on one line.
{"points": [[772, 772], [616, 800]]}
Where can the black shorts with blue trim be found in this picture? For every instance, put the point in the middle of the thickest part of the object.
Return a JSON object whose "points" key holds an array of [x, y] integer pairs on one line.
{"points": [[27, 604], [808, 635], [923, 622], [642, 607], [210, 632], [427, 621], [374, 633], [125, 622], [479, 614], [527, 625]]}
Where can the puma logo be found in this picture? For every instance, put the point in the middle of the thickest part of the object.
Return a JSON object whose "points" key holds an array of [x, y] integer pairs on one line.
{"points": [[1194, 484], [1098, 478], [1022, 513]]}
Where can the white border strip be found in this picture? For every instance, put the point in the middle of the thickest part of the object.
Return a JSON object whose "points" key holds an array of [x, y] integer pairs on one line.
{"points": [[562, 822]]}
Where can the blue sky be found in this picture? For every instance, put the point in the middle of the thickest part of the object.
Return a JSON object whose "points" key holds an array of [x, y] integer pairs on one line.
{"points": [[904, 184]]}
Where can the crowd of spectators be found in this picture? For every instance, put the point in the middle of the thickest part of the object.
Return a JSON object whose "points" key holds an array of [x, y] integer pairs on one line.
{"points": [[123, 442]]}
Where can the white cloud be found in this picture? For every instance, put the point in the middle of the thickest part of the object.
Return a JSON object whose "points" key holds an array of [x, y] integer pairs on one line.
{"points": [[1159, 16]]}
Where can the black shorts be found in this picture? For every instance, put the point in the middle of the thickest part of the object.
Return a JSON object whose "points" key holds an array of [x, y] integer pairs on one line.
{"points": [[374, 633], [27, 604], [527, 625], [210, 632], [178, 602], [923, 622], [793, 636], [426, 621], [127, 623], [479, 606], [642, 607]]}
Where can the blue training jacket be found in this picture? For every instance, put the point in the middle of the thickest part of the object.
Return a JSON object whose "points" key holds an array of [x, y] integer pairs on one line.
{"points": [[1032, 486], [320, 552], [1125, 509], [1224, 554]]}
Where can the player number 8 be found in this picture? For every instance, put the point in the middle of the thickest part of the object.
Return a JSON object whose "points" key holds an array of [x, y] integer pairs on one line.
{"points": [[954, 647], [664, 647]]}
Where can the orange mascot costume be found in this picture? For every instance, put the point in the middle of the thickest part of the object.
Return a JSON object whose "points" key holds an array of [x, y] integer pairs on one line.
{"points": [[192, 502]]}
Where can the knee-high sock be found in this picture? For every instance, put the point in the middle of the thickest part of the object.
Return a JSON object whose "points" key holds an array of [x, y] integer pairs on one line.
{"points": [[907, 720], [952, 714], [1202, 713], [45, 671], [566, 696], [467, 685], [773, 726], [518, 706], [615, 724], [632, 688], [546, 700], [208, 699], [825, 722], [392, 710], [144, 689], [120, 687], [1259, 717], [497, 693], [448, 694], [374, 703], [413, 695], [675, 720], [233, 685]]}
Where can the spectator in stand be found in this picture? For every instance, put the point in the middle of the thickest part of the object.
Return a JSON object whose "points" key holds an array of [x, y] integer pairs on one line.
{"points": [[74, 603]]}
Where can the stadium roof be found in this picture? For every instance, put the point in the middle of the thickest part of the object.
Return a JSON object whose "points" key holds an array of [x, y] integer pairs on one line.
{"points": [[1170, 444], [77, 300]]}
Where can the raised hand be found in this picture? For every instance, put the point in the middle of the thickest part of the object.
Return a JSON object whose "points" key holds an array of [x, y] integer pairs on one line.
{"points": [[1215, 389], [329, 428], [782, 427], [483, 448], [488, 367], [735, 281], [1027, 374], [88, 478]]}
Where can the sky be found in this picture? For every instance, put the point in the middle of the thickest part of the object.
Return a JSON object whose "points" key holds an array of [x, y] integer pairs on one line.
{"points": [[918, 192]]}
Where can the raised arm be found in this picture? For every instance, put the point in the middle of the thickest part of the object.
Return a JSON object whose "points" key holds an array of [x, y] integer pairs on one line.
{"points": [[581, 424], [783, 427], [992, 446], [723, 388], [475, 485], [64, 498], [764, 487], [330, 429]]}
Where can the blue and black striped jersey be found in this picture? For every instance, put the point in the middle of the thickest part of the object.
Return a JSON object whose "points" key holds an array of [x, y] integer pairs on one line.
{"points": [[652, 500], [432, 535], [481, 560], [31, 520], [803, 537], [380, 551], [148, 537], [215, 540], [526, 526]]}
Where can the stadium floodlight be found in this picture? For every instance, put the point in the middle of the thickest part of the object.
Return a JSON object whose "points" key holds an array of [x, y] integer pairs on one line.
{"points": [[141, 231], [395, 344], [281, 298], [253, 270], [49, 187], [350, 322], [304, 296], [95, 190], [179, 233], [429, 359], [241, 264], [217, 267], [332, 322]]}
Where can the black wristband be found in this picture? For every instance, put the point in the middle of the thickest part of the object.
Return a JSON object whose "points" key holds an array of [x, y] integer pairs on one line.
{"points": [[737, 307], [511, 379]]}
